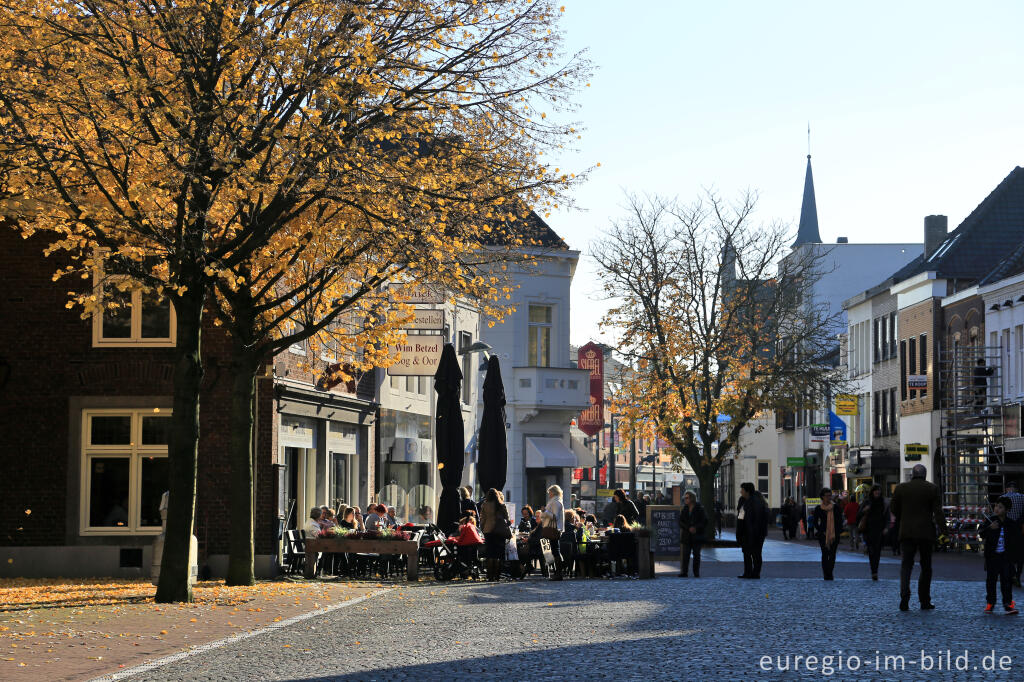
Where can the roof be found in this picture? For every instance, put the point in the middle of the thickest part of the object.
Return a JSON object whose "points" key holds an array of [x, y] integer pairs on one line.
{"points": [[970, 252], [531, 228], [808, 231]]}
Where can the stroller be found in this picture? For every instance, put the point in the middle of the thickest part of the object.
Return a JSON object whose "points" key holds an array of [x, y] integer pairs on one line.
{"points": [[452, 561]]}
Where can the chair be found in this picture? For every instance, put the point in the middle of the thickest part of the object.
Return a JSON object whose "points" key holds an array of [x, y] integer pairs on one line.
{"points": [[295, 550]]}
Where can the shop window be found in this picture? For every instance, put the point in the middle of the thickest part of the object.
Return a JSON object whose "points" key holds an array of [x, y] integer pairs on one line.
{"points": [[133, 317], [124, 470]]}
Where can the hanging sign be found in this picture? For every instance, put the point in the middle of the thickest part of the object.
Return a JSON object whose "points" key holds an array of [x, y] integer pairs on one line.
{"points": [[591, 357], [426, 318], [417, 356]]}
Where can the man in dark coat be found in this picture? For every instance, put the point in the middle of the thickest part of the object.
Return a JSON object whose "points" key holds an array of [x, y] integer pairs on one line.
{"points": [[918, 507], [751, 529]]}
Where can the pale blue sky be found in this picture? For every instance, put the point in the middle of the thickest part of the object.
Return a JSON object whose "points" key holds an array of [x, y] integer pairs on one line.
{"points": [[915, 108]]}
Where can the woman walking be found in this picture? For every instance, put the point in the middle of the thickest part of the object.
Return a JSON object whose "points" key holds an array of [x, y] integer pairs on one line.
{"points": [[873, 518], [828, 524], [692, 524], [494, 523]]}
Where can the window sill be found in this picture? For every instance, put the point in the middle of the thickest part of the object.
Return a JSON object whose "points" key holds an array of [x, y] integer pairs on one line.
{"points": [[156, 343], [94, 532]]}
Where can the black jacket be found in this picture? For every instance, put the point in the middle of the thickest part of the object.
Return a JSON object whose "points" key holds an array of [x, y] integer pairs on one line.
{"points": [[753, 527], [697, 518], [1013, 543], [918, 509], [821, 521], [629, 510], [877, 514], [527, 525], [466, 505]]}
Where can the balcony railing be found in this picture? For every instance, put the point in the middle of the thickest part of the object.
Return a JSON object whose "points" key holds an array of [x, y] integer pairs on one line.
{"points": [[567, 388]]}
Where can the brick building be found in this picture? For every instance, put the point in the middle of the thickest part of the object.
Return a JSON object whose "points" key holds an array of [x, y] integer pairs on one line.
{"points": [[85, 404]]}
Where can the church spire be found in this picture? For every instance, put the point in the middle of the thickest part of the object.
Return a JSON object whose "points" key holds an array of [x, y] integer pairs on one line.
{"points": [[808, 232]]}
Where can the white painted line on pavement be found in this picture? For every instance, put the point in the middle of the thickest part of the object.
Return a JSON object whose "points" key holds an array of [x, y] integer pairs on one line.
{"points": [[202, 648]]}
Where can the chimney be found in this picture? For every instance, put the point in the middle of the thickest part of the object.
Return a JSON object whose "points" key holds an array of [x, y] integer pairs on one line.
{"points": [[935, 228]]}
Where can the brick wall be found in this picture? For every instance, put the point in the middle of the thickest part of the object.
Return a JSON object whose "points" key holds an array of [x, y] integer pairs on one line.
{"points": [[48, 366]]}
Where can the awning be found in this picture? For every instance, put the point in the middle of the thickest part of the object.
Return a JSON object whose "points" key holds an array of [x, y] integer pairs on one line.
{"points": [[548, 452]]}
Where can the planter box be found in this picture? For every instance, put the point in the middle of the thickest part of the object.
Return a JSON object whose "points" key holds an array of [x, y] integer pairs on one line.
{"points": [[409, 548]]}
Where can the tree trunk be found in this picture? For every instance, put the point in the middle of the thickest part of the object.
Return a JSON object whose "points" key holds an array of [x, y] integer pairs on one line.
{"points": [[243, 394], [706, 479], [183, 450]]}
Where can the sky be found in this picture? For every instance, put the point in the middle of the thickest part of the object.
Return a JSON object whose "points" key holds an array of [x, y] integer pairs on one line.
{"points": [[915, 108]]}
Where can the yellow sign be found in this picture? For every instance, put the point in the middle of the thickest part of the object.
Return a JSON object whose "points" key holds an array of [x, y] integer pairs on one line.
{"points": [[605, 492], [915, 449], [846, 405]]}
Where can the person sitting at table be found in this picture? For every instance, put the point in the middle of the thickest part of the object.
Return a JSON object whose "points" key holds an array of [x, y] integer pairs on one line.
{"points": [[469, 541], [347, 518], [527, 523], [327, 520], [568, 544], [374, 519], [312, 526], [391, 519], [535, 551], [424, 516], [621, 524]]}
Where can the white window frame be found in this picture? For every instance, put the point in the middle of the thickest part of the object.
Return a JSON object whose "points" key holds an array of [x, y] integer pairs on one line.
{"points": [[135, 339], [134, 452], [767, 478], [533, 328]]}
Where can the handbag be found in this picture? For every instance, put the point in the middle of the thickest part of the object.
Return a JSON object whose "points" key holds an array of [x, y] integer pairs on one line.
{"points": [[862, 525], [503, 530], [549, 530]]}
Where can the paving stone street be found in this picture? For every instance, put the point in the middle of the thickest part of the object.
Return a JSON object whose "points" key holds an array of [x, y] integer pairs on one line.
{"points": [[632, 629]]}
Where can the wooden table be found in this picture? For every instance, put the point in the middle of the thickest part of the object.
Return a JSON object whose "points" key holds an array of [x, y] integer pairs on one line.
{"points": [[410, 548]]}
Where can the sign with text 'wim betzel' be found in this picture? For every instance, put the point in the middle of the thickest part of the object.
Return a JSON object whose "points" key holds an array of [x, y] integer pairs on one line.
{"points": [[417, 356], [591, 357]]}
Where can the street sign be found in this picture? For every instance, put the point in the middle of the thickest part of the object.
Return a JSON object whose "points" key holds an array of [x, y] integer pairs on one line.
{"points": [[846, 405], [917, 381], [591, 357], [796, 461]]}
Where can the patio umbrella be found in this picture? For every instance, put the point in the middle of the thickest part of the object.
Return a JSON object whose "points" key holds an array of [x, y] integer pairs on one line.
{"points": [[493, 448], [450, 437]]}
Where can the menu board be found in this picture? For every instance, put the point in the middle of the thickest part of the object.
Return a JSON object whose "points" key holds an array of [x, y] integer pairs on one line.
{"points": [[663, 520]]}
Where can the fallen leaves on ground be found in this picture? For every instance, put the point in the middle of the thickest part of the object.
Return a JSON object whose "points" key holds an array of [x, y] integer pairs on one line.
{"points": [[27, 593]]}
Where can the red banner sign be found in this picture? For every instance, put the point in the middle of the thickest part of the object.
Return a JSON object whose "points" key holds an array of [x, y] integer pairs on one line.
{"points": [[591, 357]]}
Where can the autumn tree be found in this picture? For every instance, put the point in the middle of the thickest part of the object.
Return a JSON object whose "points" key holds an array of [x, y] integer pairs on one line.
{"points": [[183, 145], [715, 317]]}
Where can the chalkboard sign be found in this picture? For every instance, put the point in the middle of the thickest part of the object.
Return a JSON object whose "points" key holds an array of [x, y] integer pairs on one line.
{"points": [[663, 520]]}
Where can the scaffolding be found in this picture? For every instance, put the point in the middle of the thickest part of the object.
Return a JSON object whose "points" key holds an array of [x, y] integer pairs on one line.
{"points": [[972, 439]]}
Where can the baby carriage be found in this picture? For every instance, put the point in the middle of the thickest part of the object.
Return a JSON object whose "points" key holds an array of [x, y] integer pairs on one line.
{"points": [[452, 560]]}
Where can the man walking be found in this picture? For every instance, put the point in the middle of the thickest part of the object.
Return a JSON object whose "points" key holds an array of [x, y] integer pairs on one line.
{"points": [[1015, 512], [751, 529], [918, 507]]}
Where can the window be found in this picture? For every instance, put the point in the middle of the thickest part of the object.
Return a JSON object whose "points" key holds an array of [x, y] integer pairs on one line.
{"points": [[763, 481], [923, 355], [892, 335], [396, 383], [877, 415], [912, 355], [465, 341], [424, 385], [124, 470], [410, 384], [893, 420], [903, 370], [133, 318], [539, 345], [875, 337], [1019, 332], [882, 339]]}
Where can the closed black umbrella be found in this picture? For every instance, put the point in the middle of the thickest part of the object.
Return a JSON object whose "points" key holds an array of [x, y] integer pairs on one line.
{"points": [[450, 437], [493, 448]]}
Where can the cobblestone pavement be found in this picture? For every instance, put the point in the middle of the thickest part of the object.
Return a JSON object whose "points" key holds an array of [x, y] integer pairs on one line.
{"points": [[668, 628]]}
